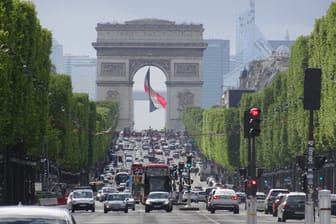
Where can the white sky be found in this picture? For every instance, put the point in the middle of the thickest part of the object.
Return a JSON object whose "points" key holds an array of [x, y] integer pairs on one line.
{"points": [[73, 22]]}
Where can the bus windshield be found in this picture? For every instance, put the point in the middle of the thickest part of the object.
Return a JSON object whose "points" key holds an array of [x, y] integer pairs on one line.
{"points": [[121, 178]]}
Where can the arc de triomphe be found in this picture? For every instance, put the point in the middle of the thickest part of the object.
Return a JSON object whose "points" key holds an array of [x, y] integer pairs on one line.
{"points": [[176, 49]]}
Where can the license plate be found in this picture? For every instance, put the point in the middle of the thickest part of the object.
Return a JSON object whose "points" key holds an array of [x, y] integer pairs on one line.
{"points": [[299, 213]]}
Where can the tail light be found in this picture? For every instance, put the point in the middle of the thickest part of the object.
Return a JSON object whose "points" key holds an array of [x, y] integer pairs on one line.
{"points": [[234, 198], [216, 197], [285, 206]]}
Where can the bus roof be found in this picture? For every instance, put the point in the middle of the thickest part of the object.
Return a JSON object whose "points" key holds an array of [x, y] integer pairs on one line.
{"points": [[158, 165], [137, 165]]}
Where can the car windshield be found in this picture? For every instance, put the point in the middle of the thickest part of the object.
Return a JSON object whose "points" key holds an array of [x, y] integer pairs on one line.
{"points": [[158, 195], [82, 194], [116, 197]]}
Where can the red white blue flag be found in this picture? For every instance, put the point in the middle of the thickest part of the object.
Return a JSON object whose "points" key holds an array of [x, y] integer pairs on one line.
{"points": [[156, 101]]}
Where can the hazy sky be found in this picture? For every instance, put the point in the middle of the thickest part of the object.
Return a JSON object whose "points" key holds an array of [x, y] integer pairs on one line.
{"points": [[73, 23]]}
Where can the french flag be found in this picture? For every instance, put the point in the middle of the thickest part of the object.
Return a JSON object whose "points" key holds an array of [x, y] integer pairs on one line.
{"points": [[156, 101]]}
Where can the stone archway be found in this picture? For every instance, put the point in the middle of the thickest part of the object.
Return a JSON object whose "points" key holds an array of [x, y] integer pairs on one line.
{"points": [[177, 49]]}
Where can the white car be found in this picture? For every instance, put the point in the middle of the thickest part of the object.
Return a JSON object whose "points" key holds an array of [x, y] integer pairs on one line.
{"points": [[35, 214], [81, 199], [261, 196], [193, 196]]}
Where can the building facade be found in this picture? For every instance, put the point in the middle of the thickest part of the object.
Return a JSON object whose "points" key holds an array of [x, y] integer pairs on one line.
{"points": [[216, 63]]}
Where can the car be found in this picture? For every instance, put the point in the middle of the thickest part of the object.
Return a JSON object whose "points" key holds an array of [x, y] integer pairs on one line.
{"points": [[130, 200], [292, 206], [105, 191], [158, 200], [333, 204], [81, 199], [99, 195], [272, 193], [276, 203], [35, 214], [260, 196], [193, 196], [224, 199], [202, 196], [241, 197], [115, 202]]}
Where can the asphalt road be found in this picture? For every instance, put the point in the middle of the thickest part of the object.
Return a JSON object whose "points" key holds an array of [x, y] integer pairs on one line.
{"points": [[177, 216]]}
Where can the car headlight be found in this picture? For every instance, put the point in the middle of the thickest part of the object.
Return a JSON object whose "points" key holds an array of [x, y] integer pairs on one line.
{"points": [[74, 202], [107, 205], [166, 202], [148, 202]]}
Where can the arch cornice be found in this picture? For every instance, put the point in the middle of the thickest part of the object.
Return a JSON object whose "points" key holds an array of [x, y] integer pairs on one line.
{"points": [[114, 83], [136, 64]]}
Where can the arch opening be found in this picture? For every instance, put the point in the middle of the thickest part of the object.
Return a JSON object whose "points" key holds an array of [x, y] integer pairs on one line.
{"points": [[142, 117]]}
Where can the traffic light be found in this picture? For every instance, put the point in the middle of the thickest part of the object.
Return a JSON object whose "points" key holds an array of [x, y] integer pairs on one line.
{"points": [[251, 187], [243, 173], [254, 187], [175, 171], [319, 161], [304, 183], [181, 167], [254, 122], [260, 171], [301, 161], [189, 158], [321, 178], [171, 172], [246, 124], [265, 182]]}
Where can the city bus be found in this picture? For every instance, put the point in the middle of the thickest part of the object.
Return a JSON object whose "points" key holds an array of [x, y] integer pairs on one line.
{"points": [[155, 177], [136, 172], [121, 177]]}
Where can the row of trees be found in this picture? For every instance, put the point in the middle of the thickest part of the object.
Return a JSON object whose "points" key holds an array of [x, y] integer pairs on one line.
{"points": [[38, 111], [218, 131]]}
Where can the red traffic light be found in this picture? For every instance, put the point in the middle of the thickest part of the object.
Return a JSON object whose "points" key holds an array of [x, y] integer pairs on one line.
{"points": [[254, 112], [253, 182]]}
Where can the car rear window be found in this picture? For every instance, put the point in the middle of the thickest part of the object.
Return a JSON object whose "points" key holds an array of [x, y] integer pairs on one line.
{"points": [[219, 192], [296, 199], [275, 193], [261, 197]]}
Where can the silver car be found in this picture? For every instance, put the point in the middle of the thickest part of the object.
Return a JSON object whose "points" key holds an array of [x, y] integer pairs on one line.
{"points": [[130, 200], [158, 200], [224, 199], [35, 214], [115, 202]]}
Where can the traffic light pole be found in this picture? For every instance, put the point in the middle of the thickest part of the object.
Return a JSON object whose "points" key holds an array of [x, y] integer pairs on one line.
{"points": [[309, 208], [251, 208], [189, 189]]}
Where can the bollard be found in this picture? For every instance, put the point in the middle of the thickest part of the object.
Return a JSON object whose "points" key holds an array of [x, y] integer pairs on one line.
{"points": [[324, 206]]}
